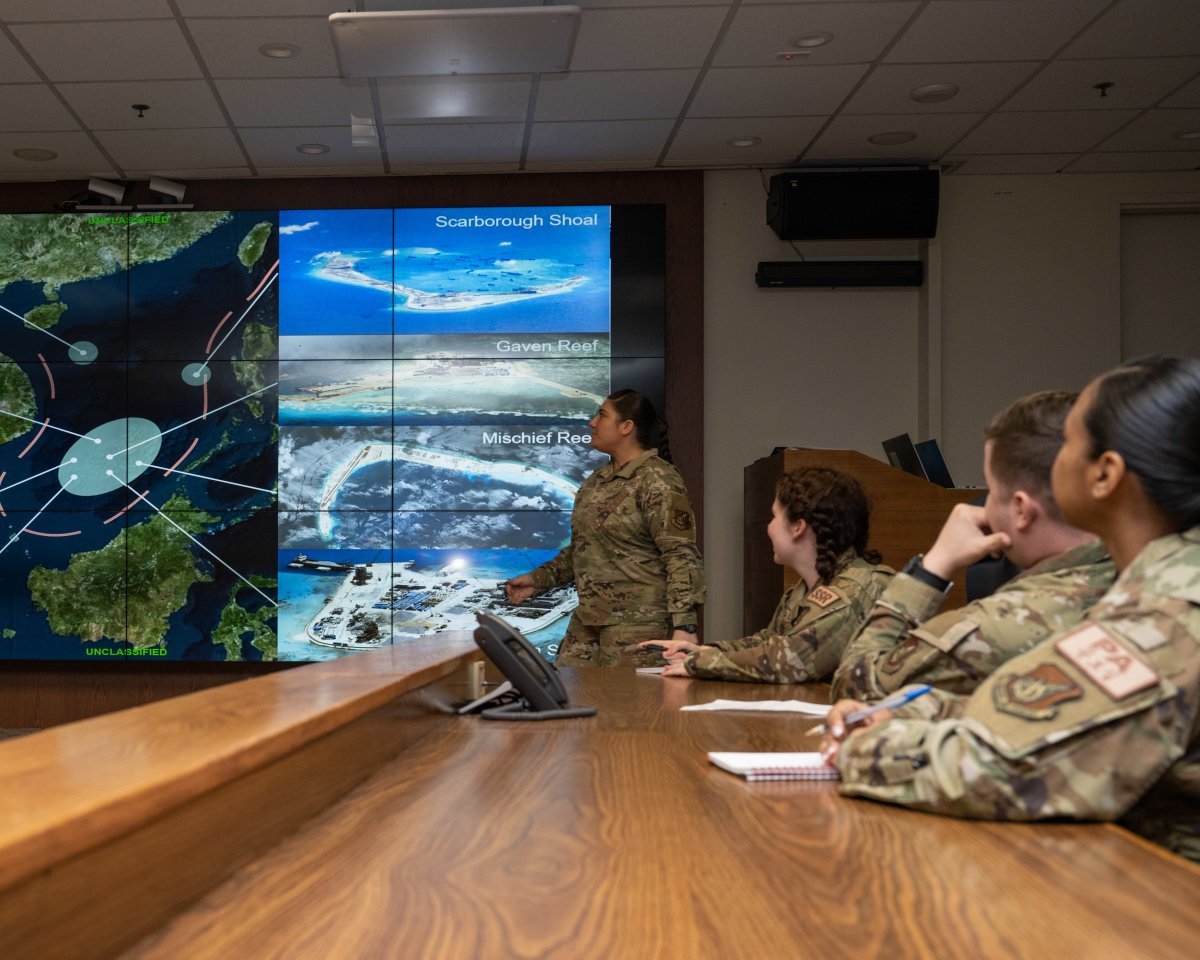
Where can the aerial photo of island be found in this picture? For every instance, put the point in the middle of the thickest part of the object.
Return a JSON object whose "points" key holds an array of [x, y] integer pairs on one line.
{"points": [[432, 270]]}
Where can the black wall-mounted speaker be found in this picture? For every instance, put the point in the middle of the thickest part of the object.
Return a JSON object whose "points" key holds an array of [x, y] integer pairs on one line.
{"points": [[840, 273], [853, 204]]}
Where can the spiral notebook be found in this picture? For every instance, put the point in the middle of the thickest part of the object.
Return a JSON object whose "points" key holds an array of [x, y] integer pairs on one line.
{"points": [[775, 766]]}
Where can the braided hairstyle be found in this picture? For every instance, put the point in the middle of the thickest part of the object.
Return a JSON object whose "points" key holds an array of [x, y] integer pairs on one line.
{"points": [[649, 428], [835, 506]]}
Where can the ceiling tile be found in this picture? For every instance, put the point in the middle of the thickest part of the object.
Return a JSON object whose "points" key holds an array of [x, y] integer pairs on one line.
{"points": [[76, 153], [601, 4], [547, 166], [173, 104], [1049, 132], [1187, 96], [454, 143], [129, 50], [1136, 162], [846, 137], [13, 66], [235, 53], [639, 39], [1020, 163], [954, 30], [364, 170], [860, 32], [477, 99], [782, 91], [32, 106], [1070, 84], [981, 87], [1142, 28], [613, 95], [19, 11], [267, 8], [276, 147], [783, 139], [298, 102], [599, 140], [192, 173], [172, 149], [1155, 131]]}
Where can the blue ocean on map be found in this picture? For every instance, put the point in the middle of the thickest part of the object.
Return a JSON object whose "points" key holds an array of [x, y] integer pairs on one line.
{"points": [[302, 592], [384, 271]]}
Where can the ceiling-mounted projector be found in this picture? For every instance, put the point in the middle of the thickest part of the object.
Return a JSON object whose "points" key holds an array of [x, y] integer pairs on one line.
{"points": [[432, 43]]}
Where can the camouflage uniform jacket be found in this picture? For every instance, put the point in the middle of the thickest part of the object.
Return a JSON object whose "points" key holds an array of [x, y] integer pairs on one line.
{"points": [[806, 635], [955, 650], [1097, 723], [633, 554]]}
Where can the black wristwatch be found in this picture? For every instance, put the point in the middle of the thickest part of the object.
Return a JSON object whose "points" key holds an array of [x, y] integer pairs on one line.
{"points": [[687, 628], [916, 569]]}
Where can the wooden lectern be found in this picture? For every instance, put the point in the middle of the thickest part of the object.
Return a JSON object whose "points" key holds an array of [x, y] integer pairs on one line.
{"points": [[906, 515]]}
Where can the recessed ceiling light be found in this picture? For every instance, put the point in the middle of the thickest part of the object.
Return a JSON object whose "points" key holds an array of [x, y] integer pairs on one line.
{"points": [[744, 141], [279, 51], [812, 40], [934, 92], [313, 148], [34, 153], [1187, 135], [892, 138]]}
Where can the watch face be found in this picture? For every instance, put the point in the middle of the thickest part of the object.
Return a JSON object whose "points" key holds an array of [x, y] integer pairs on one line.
{"points": [[687, 628]]}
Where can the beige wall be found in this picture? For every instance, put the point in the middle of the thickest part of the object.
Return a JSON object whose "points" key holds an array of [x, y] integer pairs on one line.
{"points": [[1023, 294]]}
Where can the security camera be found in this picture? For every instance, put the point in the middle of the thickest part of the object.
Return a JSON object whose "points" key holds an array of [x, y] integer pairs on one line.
{"points": [[106, 188], [167, 191]]}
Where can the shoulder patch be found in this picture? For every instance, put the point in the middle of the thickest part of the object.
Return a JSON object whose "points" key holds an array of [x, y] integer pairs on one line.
{"points": [[899, 654], [681, 520], [1108, 663], [1036, 694], [822, 597]]}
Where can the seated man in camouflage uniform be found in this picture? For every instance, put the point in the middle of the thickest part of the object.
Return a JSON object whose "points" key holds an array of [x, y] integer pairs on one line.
{"points": [[906, 641], [819, 527], [1102, 721]]}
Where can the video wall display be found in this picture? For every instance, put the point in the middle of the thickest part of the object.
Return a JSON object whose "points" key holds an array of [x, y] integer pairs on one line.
{"points": [[298, 434]]}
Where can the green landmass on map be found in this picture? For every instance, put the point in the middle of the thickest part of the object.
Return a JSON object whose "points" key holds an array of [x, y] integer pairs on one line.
{"points": [[16, 396], [128, 588], [237, 624], [59, 248], [8, 633], [259, 343], [46, 315], [254, 243]]}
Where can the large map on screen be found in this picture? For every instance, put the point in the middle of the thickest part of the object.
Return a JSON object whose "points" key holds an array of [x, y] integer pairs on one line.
{"points": [[290, 435]]}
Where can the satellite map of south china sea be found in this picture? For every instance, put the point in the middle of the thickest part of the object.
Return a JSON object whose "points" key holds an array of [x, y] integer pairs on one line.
{"points": [[212, 423]]}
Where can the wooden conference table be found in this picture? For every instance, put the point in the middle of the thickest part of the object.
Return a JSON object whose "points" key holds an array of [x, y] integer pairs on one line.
{"points": [[611, 837]]}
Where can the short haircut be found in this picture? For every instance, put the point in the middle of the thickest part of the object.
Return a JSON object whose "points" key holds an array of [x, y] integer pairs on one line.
{"points": [[1026, 437]]}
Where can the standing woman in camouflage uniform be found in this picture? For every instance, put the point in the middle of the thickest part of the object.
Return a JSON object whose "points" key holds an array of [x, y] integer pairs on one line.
{"points": [[633, 554], [1101, 721], [820, 522]]}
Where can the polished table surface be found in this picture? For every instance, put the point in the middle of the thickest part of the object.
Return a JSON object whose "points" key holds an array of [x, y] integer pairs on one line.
{"points": [[612, 837]]}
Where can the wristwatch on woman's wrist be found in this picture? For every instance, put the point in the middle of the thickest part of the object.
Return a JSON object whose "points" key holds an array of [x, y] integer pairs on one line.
{"points": [[686, 628]]}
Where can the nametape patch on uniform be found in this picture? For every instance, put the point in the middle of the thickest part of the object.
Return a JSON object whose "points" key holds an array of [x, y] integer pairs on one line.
{"points": [[822, 597], [681, 520], [1035, 695], [1108, 664]]}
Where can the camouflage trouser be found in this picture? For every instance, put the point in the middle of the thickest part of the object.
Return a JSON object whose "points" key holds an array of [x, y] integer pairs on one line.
{"points": [[610, 646]]}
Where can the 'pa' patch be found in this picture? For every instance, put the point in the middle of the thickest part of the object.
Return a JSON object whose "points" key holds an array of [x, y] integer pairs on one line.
{"points": [[1035, 695], [682, 520], [1108, 664], [822, 597]]}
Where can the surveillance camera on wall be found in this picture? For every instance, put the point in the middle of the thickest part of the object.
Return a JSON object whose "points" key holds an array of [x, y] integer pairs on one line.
{"points": [[106, 188], [167, 194]]}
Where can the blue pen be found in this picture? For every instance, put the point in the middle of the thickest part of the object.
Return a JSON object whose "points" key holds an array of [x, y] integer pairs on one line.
{"points": [[890, 703]]}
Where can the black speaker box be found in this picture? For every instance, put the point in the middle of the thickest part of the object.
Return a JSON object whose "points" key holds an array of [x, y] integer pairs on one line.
{"points": [[853, 204], [840, 273]]}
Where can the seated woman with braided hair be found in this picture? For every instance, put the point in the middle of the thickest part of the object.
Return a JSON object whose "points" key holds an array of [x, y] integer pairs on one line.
{"points": [[819, 526]]}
